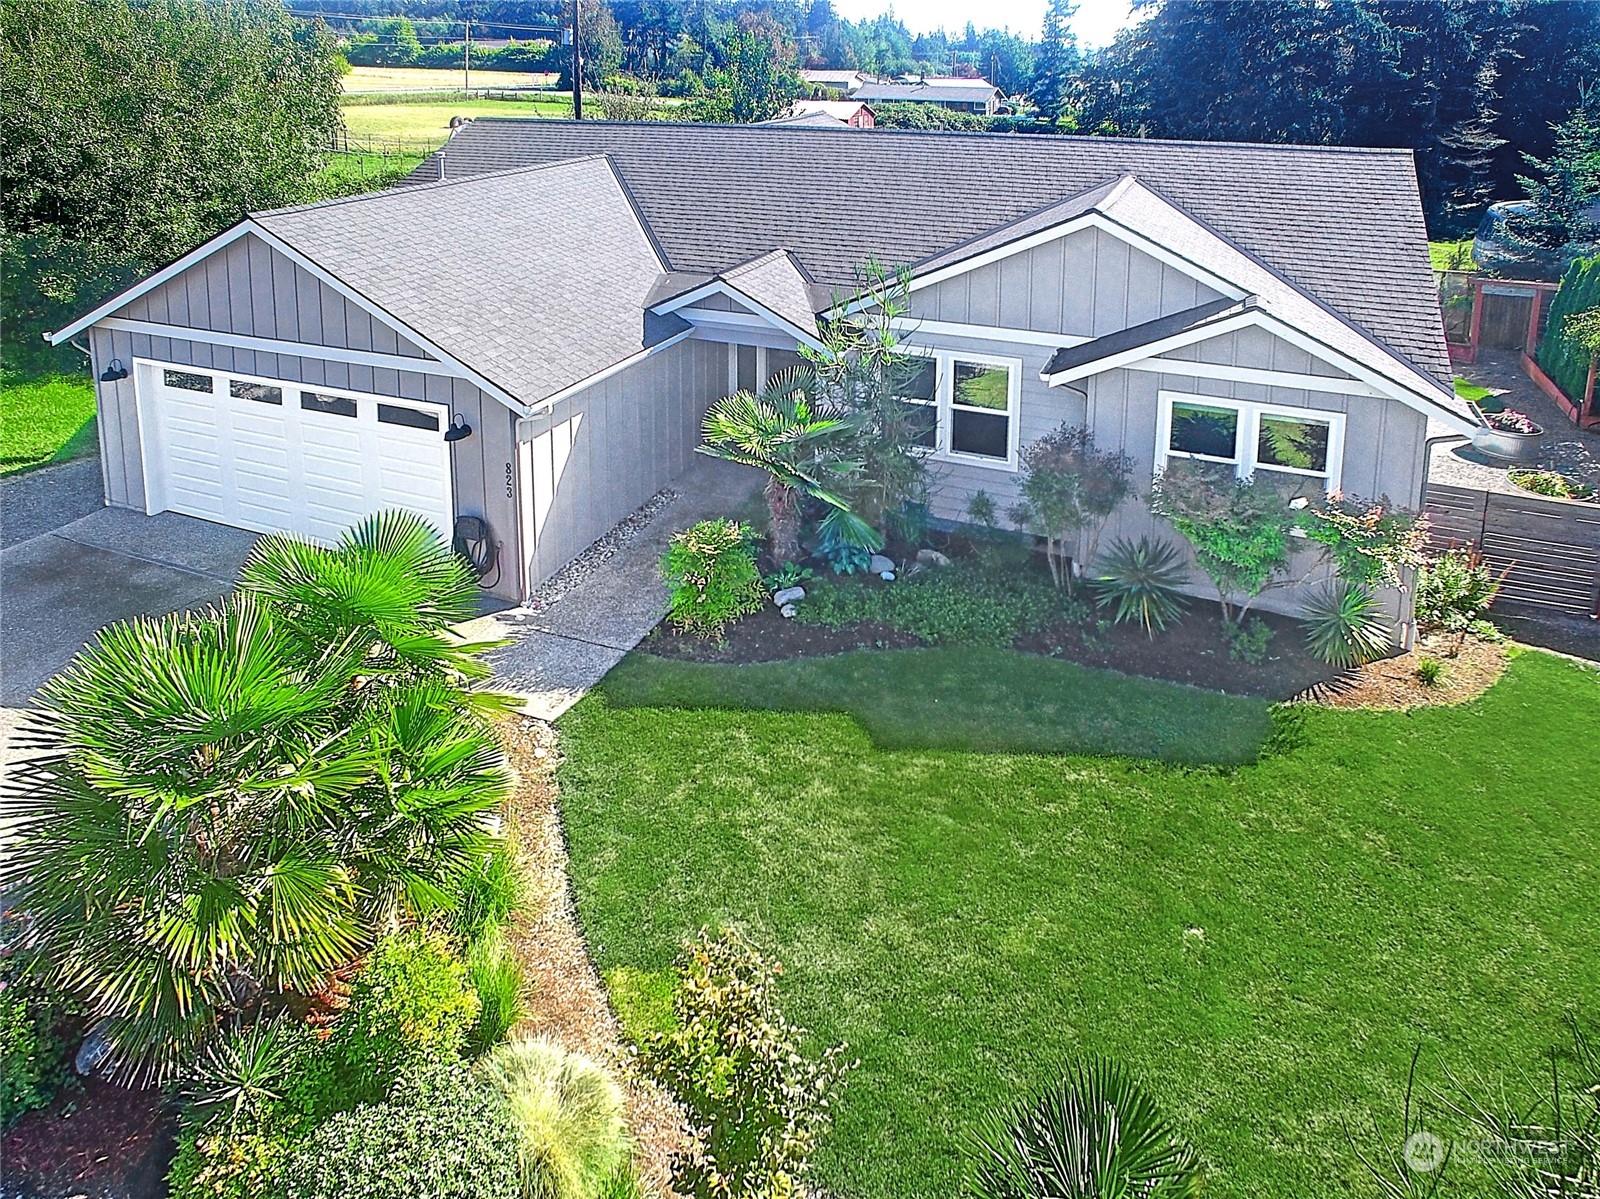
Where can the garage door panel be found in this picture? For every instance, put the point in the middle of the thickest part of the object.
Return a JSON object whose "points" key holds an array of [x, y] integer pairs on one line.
{"points": [[301, 465]]}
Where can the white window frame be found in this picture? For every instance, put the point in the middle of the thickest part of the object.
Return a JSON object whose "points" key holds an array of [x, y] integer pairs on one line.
{"points": [[1249, 436], [943, 404]]}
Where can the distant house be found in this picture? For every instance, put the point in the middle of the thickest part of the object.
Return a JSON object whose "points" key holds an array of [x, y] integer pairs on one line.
{"points": [[959, 95], [852, 113], [1266, 310], [837, 81]]}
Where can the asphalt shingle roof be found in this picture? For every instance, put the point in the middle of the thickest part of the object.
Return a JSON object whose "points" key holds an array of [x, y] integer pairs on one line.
{"points": [[1343, 224], [776, 282], [500, 270], [1146, 334], [887, 93]]}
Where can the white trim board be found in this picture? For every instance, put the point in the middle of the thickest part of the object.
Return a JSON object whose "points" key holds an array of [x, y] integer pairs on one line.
{"points": [[1252, 374], [911, 326], [287, 349], [711, 316]]}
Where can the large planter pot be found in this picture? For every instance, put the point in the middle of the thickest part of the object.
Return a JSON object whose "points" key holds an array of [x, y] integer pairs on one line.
{"points": [[1513, 447]]}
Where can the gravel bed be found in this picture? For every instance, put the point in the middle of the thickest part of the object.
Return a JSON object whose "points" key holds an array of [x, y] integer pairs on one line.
{"points": [[586, 563]]}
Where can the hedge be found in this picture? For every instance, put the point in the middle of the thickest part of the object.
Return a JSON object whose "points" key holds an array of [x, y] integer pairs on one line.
{"points": [[1562, 359]]}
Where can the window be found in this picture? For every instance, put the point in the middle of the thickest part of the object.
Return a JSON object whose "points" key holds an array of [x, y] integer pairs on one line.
{"points": [[744, 369], [970, 406], [313, 401], [187, 381], [261, 393], [1252, 437], [393, 414]]}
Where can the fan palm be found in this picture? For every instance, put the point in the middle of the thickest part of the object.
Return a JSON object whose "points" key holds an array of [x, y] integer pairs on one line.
{"points": [[234, 802], [1094, 1134], [780, 431]]}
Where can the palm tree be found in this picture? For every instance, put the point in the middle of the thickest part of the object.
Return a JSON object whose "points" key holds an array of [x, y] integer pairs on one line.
{"points": [[780, 431], [235, 802]]}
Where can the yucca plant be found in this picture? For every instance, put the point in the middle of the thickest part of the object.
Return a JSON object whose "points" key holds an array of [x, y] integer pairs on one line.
{"points": [[1346, 625], [782, 432], [1093, 1134], [231, 803], [1141, 581]]}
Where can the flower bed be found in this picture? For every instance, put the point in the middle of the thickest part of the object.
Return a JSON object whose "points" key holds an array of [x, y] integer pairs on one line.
{"points": [[1551, 484]]}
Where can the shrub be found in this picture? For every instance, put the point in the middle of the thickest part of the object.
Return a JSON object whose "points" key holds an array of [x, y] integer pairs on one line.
{"points": [[1094, 1133], [33, 1059], [567, 1112], [1455, 590], [1247, 640], [441, 1133], [1430, 671], [1564, 357], [498, 981], [1346, 625], [1370, 542], [711, 572], [410, 1006], [786, 576], [1141, 581], [1069, 488], [1549, 482], [1239, 528], [758, 1105]]}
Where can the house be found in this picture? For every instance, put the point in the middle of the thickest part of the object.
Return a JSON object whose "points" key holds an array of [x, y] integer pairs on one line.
{"points": [[852, 113], [836, 81], [959, 95], [530, 330]]}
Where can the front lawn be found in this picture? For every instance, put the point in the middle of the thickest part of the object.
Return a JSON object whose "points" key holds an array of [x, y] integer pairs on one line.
{"points": [[45, 420], [1264, 944]]}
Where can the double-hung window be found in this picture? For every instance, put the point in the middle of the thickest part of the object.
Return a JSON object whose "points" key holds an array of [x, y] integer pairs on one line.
{"points": [[967, 404], [1289, 443]]}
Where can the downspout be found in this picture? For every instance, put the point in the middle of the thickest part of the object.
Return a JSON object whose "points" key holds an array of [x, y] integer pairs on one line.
{"points": [[1408, 629]]}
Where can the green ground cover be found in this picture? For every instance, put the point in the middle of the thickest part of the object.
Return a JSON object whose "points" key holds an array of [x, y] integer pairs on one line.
{"points": [[45, 420], [418, 126], [1264, 944], [1451, 255]]}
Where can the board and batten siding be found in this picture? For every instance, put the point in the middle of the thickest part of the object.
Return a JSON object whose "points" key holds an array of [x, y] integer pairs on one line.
{"points": [[1085, 284], [249, 288], [602, 452]]}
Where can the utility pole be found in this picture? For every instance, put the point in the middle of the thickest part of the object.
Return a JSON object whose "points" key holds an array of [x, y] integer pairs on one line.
{"points": [[577, 64], [466, 81]]}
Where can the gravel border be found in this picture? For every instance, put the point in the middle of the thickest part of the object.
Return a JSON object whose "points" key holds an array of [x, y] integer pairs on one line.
{"points": [[585, 564]]}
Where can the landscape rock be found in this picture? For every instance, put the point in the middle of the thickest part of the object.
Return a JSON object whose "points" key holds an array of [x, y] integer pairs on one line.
{"points": [[787, 611], [94, 1051], [789, 596], [880, 563], [933, 558], [886, 575]]}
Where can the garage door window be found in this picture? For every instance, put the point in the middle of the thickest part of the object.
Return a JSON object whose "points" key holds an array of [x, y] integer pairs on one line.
{"points": [[187, 381], [312, 401], [261, 393], [391, 414]]}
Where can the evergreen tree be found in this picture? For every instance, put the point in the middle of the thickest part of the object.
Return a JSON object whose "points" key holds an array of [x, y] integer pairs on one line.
{"points": [[1057, 62]]}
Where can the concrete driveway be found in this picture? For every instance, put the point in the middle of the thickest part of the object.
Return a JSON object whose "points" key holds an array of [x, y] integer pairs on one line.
{"points": [[65, 573]]}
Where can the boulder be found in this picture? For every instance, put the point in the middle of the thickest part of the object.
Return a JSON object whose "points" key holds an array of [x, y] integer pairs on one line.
{"points": [[789, 596], [95, 1050], [933, 558], [787, 611], [880, 563], [886, 575]]}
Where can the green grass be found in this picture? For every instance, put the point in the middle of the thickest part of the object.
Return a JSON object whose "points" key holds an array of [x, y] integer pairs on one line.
{"points": [[1481, 396], [353, 173], [413, 126], [1451, 255], [982, 700], [45, 420], [1265, 945]]}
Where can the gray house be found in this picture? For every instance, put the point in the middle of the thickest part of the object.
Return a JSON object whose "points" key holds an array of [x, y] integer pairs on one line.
{"points": [[530, 330]]}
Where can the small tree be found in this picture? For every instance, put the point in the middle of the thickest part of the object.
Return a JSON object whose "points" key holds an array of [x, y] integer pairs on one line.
{"points": [[781, 432], [1069, 488], [863, 369], [1564, 185], [1239, 528]]}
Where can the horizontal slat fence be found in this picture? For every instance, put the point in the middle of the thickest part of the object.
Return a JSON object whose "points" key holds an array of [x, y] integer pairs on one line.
{"points": [[1551, 549]]}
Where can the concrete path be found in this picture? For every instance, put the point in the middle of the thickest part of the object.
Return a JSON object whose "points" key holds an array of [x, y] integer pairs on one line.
{"points": [[45, 499], [563, 648]]}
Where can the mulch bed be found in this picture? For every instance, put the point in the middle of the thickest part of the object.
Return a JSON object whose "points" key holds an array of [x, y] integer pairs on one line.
{"points": [[567, 1001], [96, 1140], [1470, 668], [1192, 651]]}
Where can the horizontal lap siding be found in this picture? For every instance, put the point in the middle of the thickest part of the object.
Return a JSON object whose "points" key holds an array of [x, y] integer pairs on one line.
{"points": [[607, 449], [249, 288]]}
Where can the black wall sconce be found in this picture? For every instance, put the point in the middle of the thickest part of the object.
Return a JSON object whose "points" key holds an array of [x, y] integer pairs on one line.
{"points": [[114, 371], [459, 430]]}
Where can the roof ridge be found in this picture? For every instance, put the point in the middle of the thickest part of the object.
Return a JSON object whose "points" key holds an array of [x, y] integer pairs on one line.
{"points": [[430, 185]]}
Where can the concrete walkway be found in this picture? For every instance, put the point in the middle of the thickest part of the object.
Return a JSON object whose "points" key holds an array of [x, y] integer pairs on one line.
{"points": [[561, 649]]}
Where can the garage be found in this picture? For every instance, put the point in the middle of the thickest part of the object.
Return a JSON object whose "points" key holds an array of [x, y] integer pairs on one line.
{"points": [[274, 455]]}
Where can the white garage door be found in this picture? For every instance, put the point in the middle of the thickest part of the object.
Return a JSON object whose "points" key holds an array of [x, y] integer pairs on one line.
{"points": [[278, 456]]}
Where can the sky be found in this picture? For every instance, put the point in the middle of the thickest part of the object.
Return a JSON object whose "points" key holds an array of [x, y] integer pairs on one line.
{"points": [[1096, 22]]}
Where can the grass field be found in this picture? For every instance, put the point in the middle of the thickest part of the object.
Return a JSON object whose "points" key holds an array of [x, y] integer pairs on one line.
{"points": [[411, 79], [421, 126], [1264, 944], [45, 420]]}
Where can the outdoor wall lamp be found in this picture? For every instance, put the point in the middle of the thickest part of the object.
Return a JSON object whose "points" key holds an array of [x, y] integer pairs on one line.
{"points": [[114, 371], [459, 430]]}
